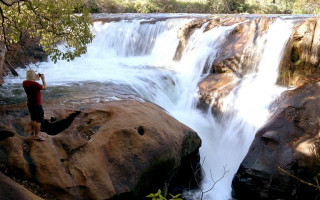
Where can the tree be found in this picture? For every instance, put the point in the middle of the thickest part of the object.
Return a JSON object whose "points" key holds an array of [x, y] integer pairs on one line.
{"points": [[63, 34]]}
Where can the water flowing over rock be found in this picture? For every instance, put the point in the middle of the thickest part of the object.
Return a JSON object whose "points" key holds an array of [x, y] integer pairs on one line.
{"points": [[184, 34], [119, 149], [226, 65], [214, 88], [290, 140], [239, 54]]}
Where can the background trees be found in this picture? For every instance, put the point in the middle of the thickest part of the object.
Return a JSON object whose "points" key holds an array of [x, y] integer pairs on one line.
{"points": [[207, 6], [53, 22]]}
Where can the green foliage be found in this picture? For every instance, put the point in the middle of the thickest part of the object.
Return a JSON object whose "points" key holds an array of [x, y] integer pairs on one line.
{"points": [[145, 6], [270, 6], [306, 7], [226, 6], [208, 6], [158, 196], [54, 22]]}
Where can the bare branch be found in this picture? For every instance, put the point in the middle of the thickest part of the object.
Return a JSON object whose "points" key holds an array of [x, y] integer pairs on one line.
{"points": [[215, 182], [302, 181]]}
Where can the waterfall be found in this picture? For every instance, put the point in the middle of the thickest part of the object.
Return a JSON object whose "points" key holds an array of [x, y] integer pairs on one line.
{"points": [[140, 54], [245, 110]]}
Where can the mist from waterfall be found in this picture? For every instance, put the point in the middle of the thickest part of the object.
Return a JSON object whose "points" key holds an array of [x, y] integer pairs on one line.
{"points": [[140, 54]]}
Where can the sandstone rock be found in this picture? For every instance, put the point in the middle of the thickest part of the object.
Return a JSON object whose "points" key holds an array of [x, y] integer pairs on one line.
{"points": [[214, 88], [301, 61], [111, 150], [290, 140], [11, 190], [184, 33], [239, 52]]}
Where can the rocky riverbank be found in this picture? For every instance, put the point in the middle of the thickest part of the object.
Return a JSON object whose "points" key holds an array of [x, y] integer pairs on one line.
{"points": [[120, 149]]}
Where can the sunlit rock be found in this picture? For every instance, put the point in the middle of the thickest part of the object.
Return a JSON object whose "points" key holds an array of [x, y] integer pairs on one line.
{"points": [[184, 33], [214, 88], [99, 151], [301, 60]]}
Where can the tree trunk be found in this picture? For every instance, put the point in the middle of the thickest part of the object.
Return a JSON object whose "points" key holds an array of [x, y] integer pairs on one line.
{"points": [[3, 50]]}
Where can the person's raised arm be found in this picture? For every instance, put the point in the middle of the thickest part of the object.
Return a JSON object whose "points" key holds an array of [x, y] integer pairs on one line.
{"points": [[44, 84]]}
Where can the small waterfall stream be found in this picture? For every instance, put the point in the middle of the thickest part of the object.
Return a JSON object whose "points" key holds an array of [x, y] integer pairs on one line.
{"points": [[140, 55]]}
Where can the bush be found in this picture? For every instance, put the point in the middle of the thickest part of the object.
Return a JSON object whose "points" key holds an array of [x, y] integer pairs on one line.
{"points": [[306, 7], [145, 6], [206, 6]]}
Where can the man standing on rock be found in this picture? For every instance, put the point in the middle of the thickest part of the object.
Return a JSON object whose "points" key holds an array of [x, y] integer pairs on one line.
{"points": [[32, 89]]}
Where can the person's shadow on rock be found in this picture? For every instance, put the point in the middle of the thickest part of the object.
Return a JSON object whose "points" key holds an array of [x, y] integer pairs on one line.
{"points": [[54, 127]]}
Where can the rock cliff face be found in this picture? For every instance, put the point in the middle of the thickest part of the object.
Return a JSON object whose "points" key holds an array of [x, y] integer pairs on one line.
{"points": [[113, 150]]}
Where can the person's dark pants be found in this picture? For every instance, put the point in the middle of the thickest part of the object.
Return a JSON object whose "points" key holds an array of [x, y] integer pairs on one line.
{"points": [[36, 113]]}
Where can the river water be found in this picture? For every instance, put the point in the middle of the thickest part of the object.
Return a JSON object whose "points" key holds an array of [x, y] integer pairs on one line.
{"points": [[139, 54]]}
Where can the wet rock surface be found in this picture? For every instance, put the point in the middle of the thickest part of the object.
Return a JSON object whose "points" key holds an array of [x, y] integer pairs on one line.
{"points": [[213, 89]]}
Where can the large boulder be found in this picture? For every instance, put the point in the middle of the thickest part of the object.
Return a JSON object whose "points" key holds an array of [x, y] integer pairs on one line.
{"points": [[111, 150], [287, 144]]}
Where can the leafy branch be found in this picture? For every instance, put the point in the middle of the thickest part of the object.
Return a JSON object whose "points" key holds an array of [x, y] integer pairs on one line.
{"points": [[54, 22], [158, 196]]}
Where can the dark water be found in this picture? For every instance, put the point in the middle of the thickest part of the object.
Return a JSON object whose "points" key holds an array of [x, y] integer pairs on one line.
{"points": [[89, 91]]}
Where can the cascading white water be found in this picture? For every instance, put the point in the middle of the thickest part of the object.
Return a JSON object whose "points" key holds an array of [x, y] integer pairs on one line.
{"points": [[141, 55], [245, 110]]}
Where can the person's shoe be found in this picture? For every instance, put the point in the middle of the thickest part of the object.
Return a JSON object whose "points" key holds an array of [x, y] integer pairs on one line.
{"points": [[39, 138]]}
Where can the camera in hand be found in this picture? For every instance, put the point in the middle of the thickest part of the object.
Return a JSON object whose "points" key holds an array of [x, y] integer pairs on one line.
{"points": [[39, 74]]}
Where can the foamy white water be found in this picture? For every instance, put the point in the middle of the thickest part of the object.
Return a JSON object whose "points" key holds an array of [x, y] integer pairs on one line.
{"points": [[246, 109], [141, 55]]}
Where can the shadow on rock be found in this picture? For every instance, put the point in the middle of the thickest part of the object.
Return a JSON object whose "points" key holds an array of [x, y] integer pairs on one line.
{"points": [[4, 134], [54, 127]]}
